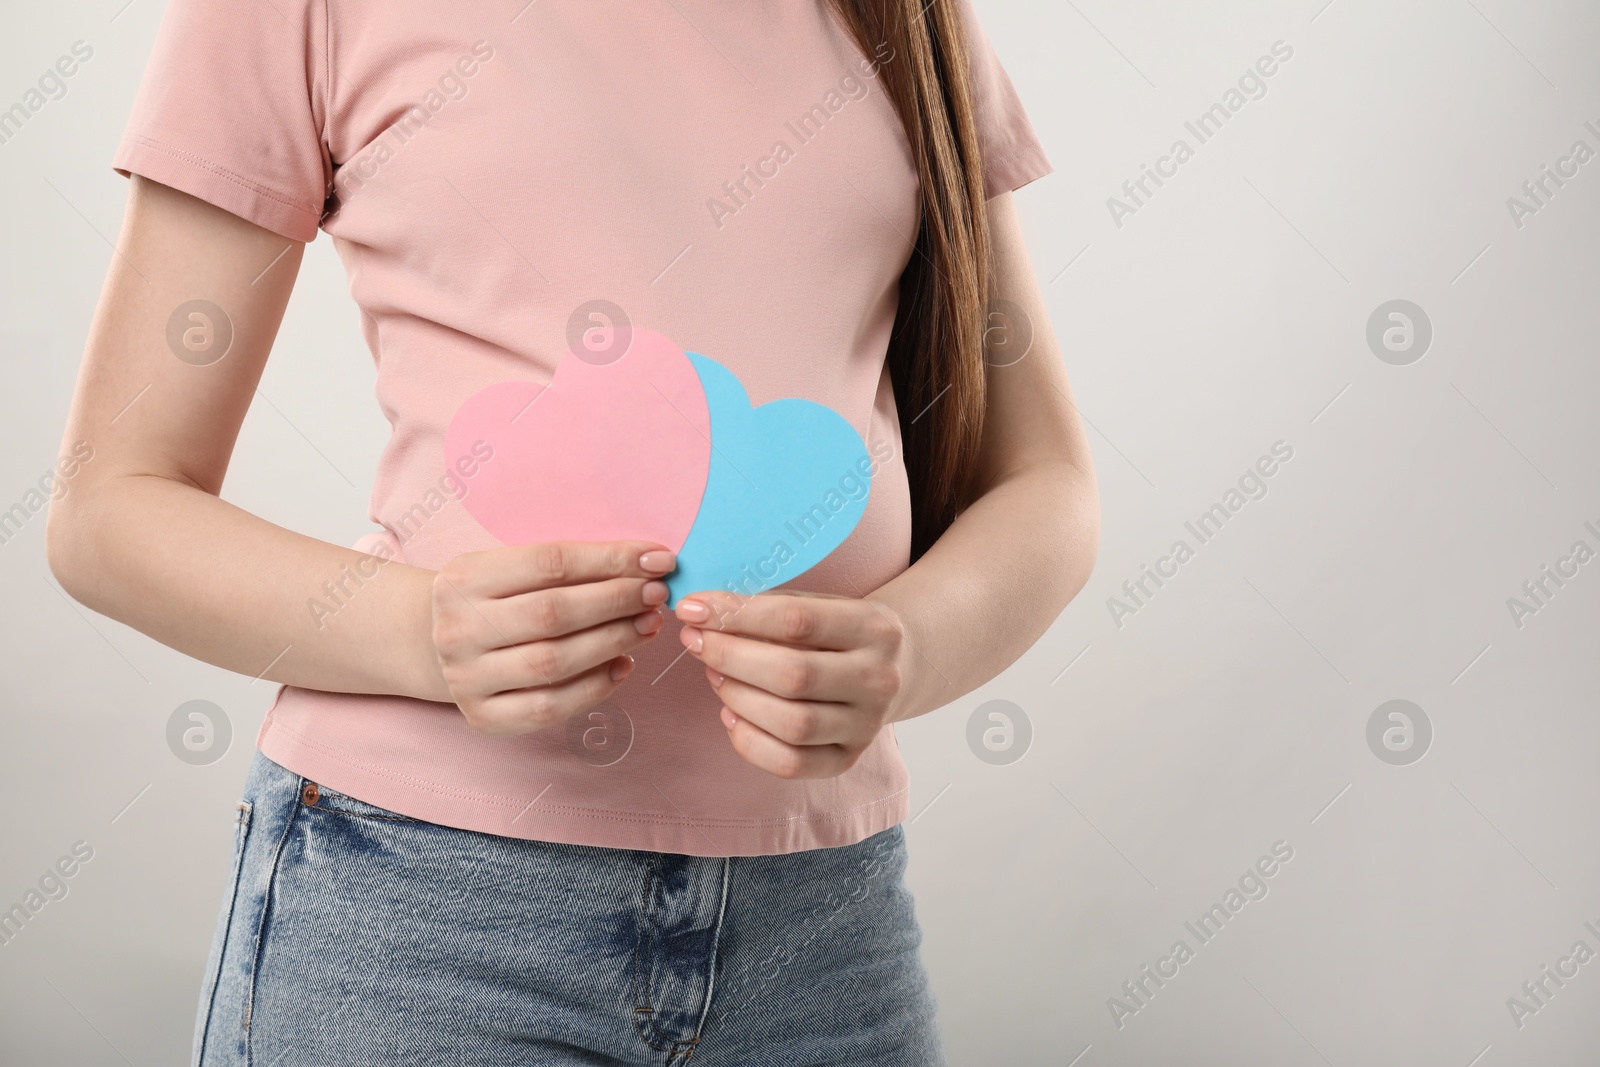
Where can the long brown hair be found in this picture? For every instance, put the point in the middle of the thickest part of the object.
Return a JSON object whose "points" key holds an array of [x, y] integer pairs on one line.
{"points": [[935, 352]]}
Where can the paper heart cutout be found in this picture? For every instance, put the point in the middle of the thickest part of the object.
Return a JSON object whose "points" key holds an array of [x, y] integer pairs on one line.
{"points": [[605, 452], [788, 482], [662, 445]]}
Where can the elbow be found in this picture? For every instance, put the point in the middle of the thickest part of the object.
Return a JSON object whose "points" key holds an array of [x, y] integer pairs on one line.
{"points": [[58, 554], [68, 536], [68, 530], [1091, 508], [1077, 480], [1082, 499]]}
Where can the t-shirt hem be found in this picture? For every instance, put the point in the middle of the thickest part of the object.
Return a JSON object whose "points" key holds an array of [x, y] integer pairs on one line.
{"points": [[187, 172], [1012, 170], [407, 794]]}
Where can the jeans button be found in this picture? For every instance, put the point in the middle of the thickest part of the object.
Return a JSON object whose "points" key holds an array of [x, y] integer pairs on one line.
{"points": [[308, 795]]}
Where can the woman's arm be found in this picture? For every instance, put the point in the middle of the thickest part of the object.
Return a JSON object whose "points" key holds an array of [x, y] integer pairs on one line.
{"points": [[142, 536], [966, 610], [1002, 573]]}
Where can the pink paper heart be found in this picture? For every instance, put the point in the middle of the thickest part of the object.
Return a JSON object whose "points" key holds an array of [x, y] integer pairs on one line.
{"points": [[607, 451]]}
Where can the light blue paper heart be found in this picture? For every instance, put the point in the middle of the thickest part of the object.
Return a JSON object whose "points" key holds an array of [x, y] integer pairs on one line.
{"points": [[788, 482]]}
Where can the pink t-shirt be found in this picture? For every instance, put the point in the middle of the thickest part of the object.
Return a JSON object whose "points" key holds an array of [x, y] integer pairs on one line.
{"points": [[729, 173]]}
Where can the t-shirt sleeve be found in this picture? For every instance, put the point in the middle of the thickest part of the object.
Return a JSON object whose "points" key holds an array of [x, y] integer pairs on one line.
{"points": [[1012, 153], [232, 109]]}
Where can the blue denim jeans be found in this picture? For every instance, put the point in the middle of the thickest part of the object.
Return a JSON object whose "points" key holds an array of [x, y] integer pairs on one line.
{"points": [[352, 936]]}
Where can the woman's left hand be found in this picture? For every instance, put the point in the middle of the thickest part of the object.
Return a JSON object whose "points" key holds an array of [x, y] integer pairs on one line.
{"points": [[807, 680]]}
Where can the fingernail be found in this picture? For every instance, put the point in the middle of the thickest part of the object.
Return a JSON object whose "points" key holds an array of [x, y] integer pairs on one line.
{"points": [[716, 678], [691, 639], [729, 719], [648, 622], [655, 593], [657, 561], [621, 668], [693, 611]]}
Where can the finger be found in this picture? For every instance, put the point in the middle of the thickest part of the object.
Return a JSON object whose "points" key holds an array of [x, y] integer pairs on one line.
{"points": [[521, 711], [797, 722], [781, 759], [794, 673], [546, 613], [500, 572], [556, 660], [813, 622]]}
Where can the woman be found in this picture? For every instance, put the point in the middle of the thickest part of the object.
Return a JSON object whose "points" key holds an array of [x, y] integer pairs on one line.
{"points": [[496, 815]]}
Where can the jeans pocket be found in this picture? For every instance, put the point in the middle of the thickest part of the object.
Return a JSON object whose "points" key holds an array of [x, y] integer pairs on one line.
{"points": [[320, 798], [219, 938]]}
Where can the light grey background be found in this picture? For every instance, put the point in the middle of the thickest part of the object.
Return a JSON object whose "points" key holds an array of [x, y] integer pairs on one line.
{"points": [[1168, 753]]}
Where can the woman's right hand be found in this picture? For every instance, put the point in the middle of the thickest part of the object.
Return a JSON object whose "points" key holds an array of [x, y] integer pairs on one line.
{"points": [[530, 635]]}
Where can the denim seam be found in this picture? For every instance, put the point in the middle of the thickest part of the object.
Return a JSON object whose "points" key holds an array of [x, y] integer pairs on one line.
{"points": [[716, 945], [266, 910], [641, 997], [643, 1013], [246, 811], [645, 1018], [693, 1044], [363, 814], [327, 800]]}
